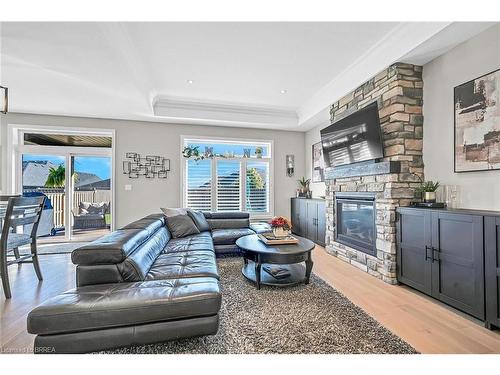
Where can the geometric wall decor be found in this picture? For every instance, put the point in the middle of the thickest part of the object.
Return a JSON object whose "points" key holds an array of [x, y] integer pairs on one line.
{"points": [[150, 166]]}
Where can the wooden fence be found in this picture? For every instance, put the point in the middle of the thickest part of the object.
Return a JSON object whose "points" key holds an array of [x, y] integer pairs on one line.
{"points": [[57, 199]]}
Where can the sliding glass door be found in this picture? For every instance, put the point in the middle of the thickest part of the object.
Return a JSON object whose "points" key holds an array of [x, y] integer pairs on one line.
{"points": [[90, 196], [74, 170]]}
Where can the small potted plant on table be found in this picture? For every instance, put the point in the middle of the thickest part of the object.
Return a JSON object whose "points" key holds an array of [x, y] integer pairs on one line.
{"points": [[428, 191], [304, 187], [281, 226]]}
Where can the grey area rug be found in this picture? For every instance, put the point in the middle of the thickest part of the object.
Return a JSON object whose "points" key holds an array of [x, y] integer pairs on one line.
{"points": [[304, 319]]}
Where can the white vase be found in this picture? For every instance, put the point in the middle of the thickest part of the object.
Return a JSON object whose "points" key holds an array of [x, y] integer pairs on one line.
{"points": [[280, 232]]}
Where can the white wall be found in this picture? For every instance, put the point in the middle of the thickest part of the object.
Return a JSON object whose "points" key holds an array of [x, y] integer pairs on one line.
{"points": [[164, 139], [469, 60]]}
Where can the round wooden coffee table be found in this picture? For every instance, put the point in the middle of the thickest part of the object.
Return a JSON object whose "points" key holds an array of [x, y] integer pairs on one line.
{"points": [[256, 255]]}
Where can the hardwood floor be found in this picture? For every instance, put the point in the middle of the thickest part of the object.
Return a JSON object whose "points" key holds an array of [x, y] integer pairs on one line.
{"points": [[427, 325], [27, 293]]}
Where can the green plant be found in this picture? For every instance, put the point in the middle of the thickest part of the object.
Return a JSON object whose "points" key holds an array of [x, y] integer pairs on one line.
{"points": [[193, 152], [427, 187], [258, 150], [304, 183], [255, 180], [56, 177]]}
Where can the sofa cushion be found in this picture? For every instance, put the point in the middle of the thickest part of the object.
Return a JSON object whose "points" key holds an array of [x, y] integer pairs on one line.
{"points": [[111, 249], [227, 215], [196, 242], [184, 264], [181, 226], [125, 304], [168, 212], [261, 227], [229, 236], [199, 220], [136, 266], [85, 208], [151, 223], [227, 220]]}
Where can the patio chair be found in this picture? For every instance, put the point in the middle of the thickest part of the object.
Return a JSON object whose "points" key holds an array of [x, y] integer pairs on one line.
{"points": [[20, 212], [90, 215]]}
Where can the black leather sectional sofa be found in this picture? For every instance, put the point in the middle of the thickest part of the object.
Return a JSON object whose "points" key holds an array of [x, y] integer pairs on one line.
{"points": [[138, 285]]}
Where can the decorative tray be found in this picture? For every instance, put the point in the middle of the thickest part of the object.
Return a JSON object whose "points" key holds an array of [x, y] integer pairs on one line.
{"points": [[270, 239], [428, 205]]}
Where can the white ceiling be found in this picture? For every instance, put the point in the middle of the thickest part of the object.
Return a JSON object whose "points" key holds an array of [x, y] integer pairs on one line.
{"points": [[118, 70]]}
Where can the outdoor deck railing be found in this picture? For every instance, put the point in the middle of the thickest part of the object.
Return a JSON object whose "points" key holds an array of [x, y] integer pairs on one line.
{"points": [[58, 202]]}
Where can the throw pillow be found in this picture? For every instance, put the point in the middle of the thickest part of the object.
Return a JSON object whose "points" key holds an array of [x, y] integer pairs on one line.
{"points": [[168, 212], [199, 220], [181, 226]]}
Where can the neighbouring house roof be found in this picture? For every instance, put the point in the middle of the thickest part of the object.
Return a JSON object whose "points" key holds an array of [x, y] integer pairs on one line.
{"points": [[35, 174], [99, 185]]}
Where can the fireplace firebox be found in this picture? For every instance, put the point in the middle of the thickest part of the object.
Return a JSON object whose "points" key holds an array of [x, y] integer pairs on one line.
{"points": [[355, 221]]}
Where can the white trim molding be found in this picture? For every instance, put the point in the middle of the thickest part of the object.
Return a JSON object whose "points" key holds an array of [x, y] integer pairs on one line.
{"points": [[224, 113]]}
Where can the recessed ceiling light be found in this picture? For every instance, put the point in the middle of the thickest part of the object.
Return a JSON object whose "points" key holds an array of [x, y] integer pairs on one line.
{"points": [[283, 91], [190, 81]]}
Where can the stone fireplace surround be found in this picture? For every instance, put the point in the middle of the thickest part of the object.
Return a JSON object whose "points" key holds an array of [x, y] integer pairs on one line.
{"points": [[398, 92]]}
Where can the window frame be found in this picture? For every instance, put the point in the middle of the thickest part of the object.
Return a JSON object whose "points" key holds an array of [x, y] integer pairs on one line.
{"points": [[243, 165]]}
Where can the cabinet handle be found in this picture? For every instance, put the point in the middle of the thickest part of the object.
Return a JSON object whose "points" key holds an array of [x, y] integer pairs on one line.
{"points": [[427, 257], [435, 258]]}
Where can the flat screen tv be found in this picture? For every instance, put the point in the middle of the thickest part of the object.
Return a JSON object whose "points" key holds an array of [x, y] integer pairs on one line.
{"points": [[354, 138]]}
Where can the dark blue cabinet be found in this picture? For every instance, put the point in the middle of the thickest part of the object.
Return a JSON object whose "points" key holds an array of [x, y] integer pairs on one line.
{"points": [[309, 219], [492, 270], [442, 253]]}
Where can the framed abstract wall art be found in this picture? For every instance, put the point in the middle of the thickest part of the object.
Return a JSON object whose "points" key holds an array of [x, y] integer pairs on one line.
{"points": [[477, 124]]}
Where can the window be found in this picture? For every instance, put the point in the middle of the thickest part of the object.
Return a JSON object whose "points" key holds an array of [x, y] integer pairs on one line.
{"points": [[199, 184], [232, 176], [228, 185], [257, 181]]}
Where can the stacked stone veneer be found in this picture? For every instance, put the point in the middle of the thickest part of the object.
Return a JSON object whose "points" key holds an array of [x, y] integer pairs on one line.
{"points": [[398, 91]]}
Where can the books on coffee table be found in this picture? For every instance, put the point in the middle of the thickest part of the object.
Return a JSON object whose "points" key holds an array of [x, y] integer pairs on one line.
{"points": [[278, 272], [271, 239]]}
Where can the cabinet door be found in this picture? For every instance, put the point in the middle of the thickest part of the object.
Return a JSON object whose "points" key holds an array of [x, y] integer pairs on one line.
{"points": [[492, 269], [414, 262], [295, 213], [312, 215], [457, 269], [321, 223], [303, 217]]}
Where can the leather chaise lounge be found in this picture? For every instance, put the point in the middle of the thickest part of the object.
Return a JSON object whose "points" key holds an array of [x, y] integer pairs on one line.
{"points": [[138, 286]]}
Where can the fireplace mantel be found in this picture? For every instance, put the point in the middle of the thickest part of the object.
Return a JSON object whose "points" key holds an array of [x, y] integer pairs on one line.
{"points": [[363, 169]]}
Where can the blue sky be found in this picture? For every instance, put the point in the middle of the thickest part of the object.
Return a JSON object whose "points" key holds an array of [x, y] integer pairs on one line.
{"points": [[100, 166]]}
